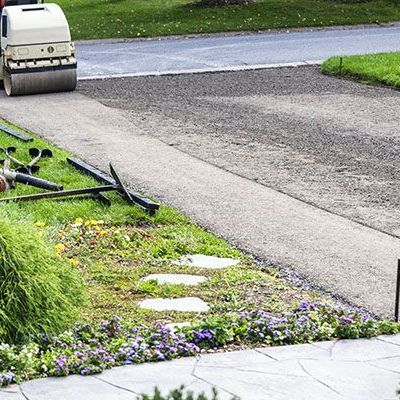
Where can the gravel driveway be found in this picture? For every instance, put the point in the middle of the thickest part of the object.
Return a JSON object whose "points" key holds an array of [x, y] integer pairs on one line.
{"points": [[332, 143]]}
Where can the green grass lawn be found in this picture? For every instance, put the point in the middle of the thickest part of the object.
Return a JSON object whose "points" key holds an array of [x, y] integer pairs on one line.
{"points": [[114, 247], [383, 68], [143, 18]]}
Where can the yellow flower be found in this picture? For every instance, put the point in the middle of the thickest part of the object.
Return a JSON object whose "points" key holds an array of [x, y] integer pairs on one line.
{"points": [[60, 248], [40, 224], [103, 232], [78, 220], [73, 262]]}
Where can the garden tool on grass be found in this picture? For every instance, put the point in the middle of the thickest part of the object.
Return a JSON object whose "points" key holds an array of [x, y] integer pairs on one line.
{"points": [[9, 178], [94, 192], [14, 133], [8, 153], [30, 168], [36, 154], [145, 203]]}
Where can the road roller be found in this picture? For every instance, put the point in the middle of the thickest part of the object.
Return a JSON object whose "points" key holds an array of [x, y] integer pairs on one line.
{"points": [[37, 54]]}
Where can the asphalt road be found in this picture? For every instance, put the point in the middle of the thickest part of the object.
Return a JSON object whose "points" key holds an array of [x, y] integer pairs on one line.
{"points": [[233, 52]]}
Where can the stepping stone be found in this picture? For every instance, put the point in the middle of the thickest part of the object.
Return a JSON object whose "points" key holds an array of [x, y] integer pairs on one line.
{"points": [[184, 304], [176, 279], [211, 262]]}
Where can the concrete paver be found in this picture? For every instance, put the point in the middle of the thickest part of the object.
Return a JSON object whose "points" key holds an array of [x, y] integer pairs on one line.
{"points": [[301, 351], [353, 380], [280, 373], [73, 387], [364, 350]]}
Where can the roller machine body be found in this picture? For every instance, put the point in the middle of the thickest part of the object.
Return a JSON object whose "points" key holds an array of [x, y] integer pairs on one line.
{"points": [[37, 55]]}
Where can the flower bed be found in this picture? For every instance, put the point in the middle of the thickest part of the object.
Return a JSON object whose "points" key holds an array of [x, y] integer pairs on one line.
{"points": [[88, 349]]}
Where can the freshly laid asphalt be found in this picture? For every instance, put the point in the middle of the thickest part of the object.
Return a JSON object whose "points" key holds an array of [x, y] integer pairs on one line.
{"points": [[229, 52], [342, 370], [285, 146]]}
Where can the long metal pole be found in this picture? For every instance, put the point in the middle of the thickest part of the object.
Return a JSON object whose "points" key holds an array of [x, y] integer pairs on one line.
{"points": [[397, 301], [63, 193]]}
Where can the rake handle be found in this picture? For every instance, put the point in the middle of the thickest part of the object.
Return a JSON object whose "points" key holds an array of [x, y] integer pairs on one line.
{"points": [[37, 182], [63, 193]]}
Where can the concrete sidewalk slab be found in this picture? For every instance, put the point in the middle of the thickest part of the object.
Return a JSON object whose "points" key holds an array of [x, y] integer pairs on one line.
{"points": [[344, 257], [306, 372]]}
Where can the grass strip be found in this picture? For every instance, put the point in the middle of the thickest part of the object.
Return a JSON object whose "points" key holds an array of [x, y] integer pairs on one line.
{"points": [[382, 68], [115, 247], [138, 18]]}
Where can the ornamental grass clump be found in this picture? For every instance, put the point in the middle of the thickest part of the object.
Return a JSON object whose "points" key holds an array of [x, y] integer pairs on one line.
{"points": [[39, 292]]}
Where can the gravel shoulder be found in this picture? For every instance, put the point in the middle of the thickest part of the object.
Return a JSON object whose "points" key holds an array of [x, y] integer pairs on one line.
{"points": [[328, 142]]}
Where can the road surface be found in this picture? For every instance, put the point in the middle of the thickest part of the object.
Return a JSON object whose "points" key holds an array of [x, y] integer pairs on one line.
{"points": [[101, 59]]}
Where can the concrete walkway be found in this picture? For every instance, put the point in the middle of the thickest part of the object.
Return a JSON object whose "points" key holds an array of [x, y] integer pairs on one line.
{"points": [[342, 370], [342, 256], [227, 53]]}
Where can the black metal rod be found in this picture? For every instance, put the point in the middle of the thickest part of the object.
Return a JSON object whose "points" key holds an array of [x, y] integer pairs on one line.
{"points": [[37, 182], [14, 133], [397, 301], [100, 176], [63, 193]]}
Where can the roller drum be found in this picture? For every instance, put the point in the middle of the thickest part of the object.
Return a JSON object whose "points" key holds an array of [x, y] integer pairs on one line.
{"points": [[56, 80]]}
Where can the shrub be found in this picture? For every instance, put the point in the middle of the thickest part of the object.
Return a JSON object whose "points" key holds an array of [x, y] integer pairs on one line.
{"points": [[179, 394], [39, 292]]}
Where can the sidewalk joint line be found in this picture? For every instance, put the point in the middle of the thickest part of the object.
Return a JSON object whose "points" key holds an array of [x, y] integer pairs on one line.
{"points": [[388, 342], [316, 379], [24, 395], [266, 355], [383, 368], [213, 385], [114, 385]]}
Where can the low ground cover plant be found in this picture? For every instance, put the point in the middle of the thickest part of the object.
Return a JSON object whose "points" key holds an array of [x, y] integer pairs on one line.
{"points": [[90, 348], [382, 68]]}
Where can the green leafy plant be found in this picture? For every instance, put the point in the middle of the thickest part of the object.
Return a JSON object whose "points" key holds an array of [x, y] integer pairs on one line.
{"points": [[39, 291], [179, 394]]}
